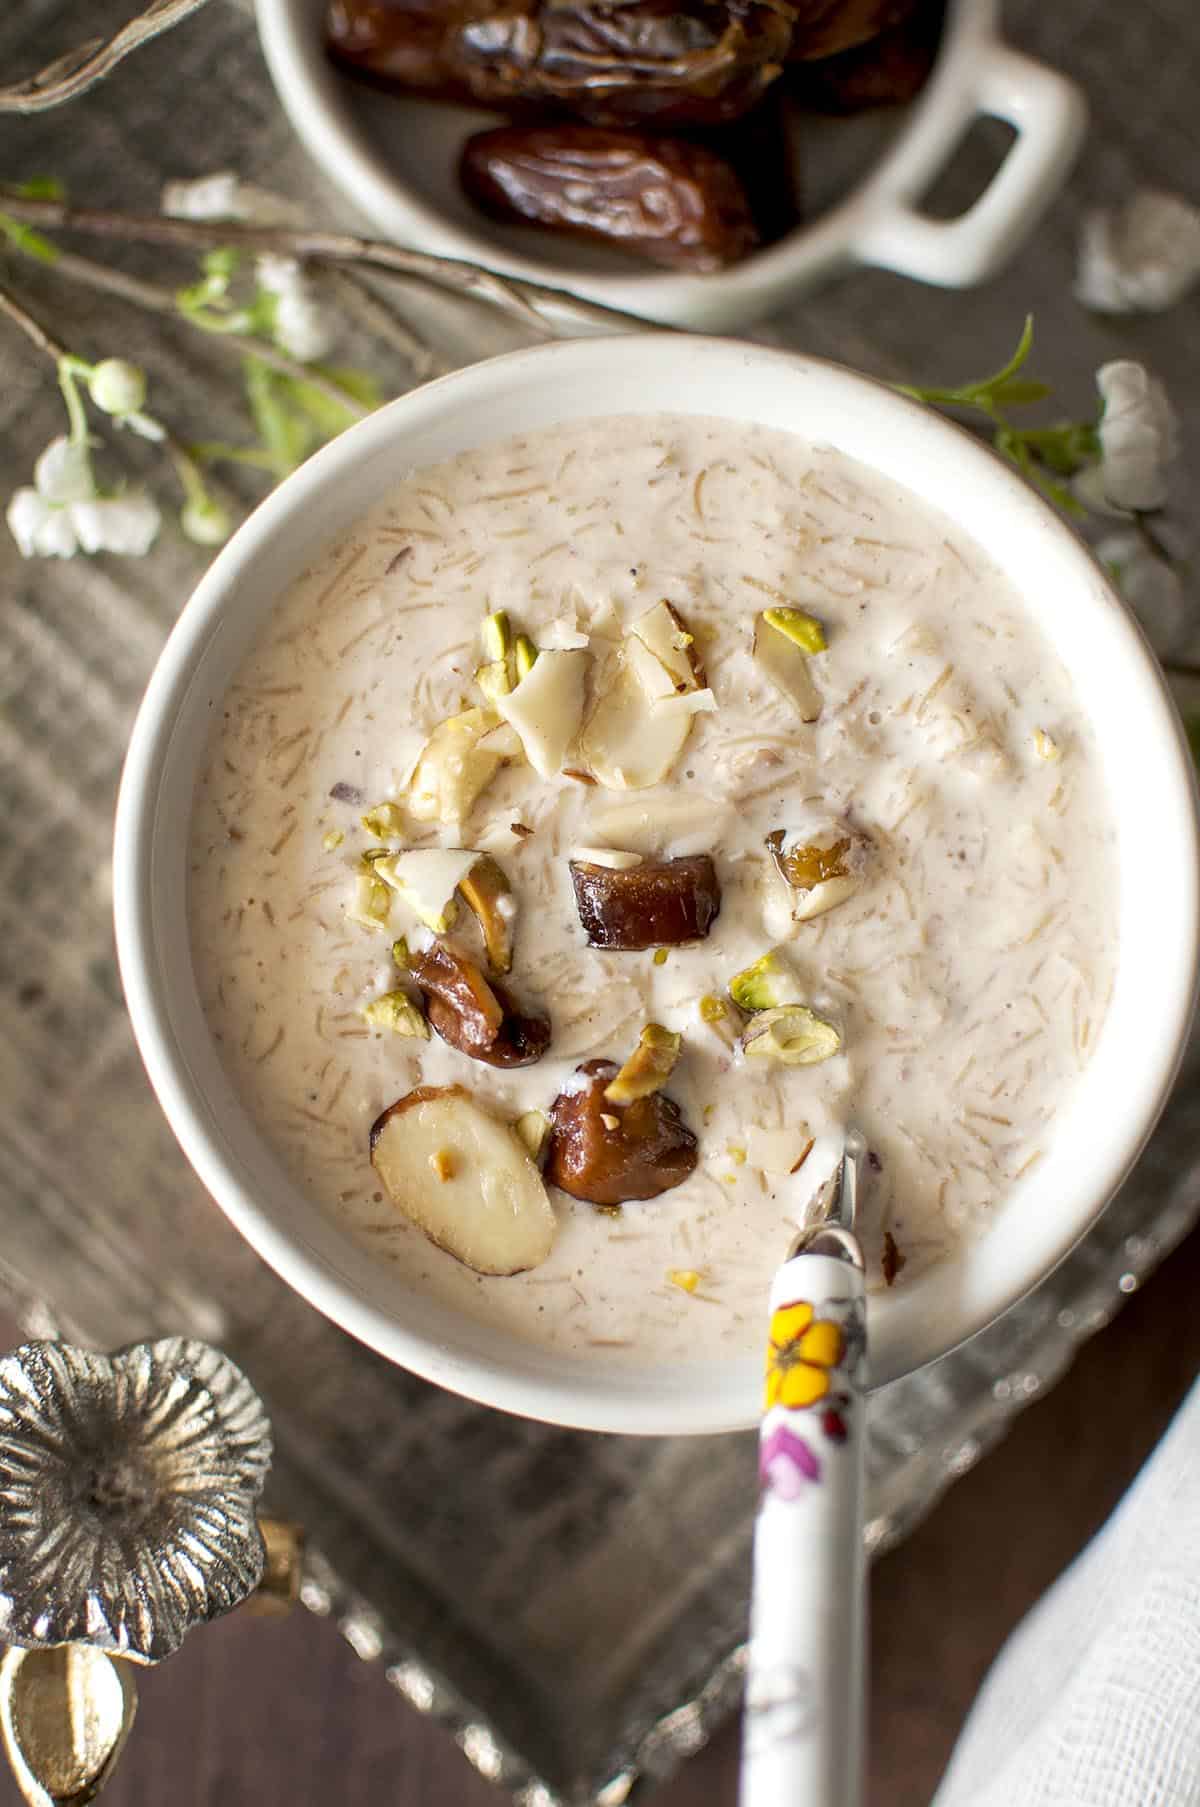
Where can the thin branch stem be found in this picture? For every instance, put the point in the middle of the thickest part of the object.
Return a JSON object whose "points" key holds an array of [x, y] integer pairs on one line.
{"points": [[20, 316], [531, 302], [360, 299], [88, 63], [161, 300]]}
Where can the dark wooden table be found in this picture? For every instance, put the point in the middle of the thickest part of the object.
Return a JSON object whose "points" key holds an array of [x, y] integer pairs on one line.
{"points": [[254, 1712]]}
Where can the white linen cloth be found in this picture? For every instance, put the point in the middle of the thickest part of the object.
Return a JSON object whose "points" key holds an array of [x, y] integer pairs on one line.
{"points": [[1095, 1699]]}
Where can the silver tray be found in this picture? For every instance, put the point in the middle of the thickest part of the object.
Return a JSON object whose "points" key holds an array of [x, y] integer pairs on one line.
{"points": [[573, 1605]]}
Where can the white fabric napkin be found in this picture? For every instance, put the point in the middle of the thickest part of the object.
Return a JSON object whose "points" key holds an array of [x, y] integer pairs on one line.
{"points": [[1095, 1699]]}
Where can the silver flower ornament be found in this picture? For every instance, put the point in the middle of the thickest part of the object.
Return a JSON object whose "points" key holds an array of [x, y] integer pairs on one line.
{"points": [[128, 1493]]}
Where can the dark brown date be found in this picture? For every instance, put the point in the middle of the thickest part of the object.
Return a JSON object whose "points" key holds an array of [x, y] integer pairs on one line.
{"points": [[830, 27], [888, 71], [403, 43], [673, 62], [642, 1149], [661, 903], [664, 199], [473, 1014]]}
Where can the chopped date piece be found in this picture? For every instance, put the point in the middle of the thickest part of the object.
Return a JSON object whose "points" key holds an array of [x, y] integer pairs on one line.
{"points": [[477, 1016], [402, 43], [887, 71], [664, 199], [661, 903], [829, 27], [609, 1153]]}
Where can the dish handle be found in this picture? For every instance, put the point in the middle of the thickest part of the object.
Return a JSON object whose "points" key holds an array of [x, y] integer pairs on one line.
{"points": [[1049, 116]]}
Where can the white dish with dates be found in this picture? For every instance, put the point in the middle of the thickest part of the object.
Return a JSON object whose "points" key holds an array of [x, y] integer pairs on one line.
{"points": [[693, 1367]]}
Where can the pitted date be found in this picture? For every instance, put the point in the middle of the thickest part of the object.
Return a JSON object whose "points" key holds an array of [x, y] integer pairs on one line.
{"points": [[668, 200], [669, 62], [889, 70], [403, 43], [830, 27]]}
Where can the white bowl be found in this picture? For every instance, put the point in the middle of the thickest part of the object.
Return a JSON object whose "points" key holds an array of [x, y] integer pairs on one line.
{"points": [[395, 158], [1146, 766]]}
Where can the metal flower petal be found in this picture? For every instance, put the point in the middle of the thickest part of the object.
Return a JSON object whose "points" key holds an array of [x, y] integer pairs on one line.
{"points": [[128, 1493]]}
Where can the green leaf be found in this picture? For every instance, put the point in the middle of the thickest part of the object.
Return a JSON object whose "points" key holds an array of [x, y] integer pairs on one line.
{"points": [[23, 238], [284, 432], [42, 188], [326, 414], [1019, 393], [1019, 356], [358, 383], [222, 262]]}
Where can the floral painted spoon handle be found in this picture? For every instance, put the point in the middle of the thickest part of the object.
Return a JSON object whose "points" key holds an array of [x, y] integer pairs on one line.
{"points": [[803, 1736]]}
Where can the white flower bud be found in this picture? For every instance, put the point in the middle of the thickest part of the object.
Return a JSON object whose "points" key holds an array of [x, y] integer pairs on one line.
{"points": [[1153, 589], [63, 473], [117, 387], [205, 522], [300, 326], [126, 525], [223, 197], [1139, 258], [1139, 436], [40, 529]]}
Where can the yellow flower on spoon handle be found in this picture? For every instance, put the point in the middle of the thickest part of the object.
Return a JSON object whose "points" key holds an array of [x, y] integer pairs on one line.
{"points": [[804, 1686]]}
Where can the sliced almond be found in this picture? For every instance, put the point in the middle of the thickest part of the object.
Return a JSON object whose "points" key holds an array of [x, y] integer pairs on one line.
{"points": [[426, 879], [546, 707], [615, 858], [667, 822], [464, 1179], [628, 743], [787, 666], [664, 633]]}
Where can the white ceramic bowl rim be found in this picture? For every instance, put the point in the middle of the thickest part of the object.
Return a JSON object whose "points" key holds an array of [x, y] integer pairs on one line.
{"points": [[1146, 766]]}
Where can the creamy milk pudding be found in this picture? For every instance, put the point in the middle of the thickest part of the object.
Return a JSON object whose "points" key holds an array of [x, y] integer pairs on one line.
{"points": [[769, 731]]}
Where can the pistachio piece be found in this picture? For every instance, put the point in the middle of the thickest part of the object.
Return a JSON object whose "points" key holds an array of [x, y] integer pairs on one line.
{"points": [[822, 865], [525, 656], [333, 839], [785, 663], [767, 984], [804, 631], [396, 1011], [496, 635], [371, 902], [649, 1066], [1046, 747], [454, 768], [685, 1278], [488, 895], [464, 1180], [793, 1035], [493, 679], [385, 822]]}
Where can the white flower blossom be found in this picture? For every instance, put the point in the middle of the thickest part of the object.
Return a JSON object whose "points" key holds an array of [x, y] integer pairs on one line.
{"points": [[117, 386], [40, 528], [300, 326], [63, 473], [126, 525], [1141, 257], [223, 196], [1152, 587], [1139, 437], [62, 514]]}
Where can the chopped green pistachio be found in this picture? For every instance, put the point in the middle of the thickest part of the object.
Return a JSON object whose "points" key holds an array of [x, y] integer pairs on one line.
{"points": [[493, 679], [648, 1067], [496, 635], [767, 984], [685, 1278], [786, 665], [400, 954], [792, 1034], [660, 956], [374, 856], [525, 655], [804, 631], [1046, 747], [736, 1154], [372, 901], [333, 839], [533, 1131], [385, 821], [396, 1011], [712, 1009]]}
